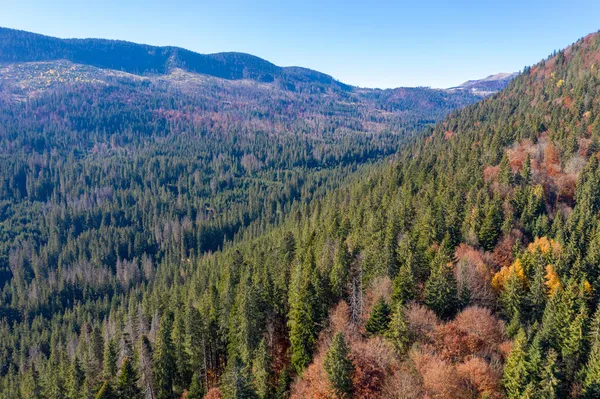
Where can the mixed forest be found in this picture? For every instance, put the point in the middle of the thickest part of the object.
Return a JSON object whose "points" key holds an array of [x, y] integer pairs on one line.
{"points": [[176, 237]]}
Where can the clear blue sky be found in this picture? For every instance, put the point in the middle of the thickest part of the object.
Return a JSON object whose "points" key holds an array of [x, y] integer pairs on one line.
{"points": [[369, 43]]}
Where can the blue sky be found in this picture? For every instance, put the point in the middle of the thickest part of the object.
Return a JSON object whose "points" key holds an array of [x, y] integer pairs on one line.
{"points": [[370, 43]]}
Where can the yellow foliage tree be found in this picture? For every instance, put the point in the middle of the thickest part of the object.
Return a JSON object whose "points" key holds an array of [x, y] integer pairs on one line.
{"points": [[552, 280], [500, 278]]}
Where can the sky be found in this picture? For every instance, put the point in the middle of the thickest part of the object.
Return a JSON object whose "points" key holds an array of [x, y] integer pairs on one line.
{"points": [[372, 43]]}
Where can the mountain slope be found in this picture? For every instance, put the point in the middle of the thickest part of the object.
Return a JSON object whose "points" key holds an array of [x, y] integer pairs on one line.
{"points": [[20, 46], [467, 267], [486, 86]]}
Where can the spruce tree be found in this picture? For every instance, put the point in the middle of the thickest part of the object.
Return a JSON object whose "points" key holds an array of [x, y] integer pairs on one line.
{"points": [[109, 370], [441, 294], [339, 367], [403, 290], [261, 370], [515, 368], [379, 319], [237, 381], [106, 392], [398, 330], [164, 367], [340, 270], [591, 370], [196, 390], [127, 381], [549, 379]]}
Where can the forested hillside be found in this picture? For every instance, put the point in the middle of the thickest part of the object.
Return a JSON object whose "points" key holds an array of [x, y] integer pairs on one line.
{"points": [[109, 180], [465, 267]]}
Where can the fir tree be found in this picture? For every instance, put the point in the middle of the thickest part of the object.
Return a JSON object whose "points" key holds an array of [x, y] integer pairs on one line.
{"points": [[261, 370], [340, 270], [440, 289], [237, 381], [404, 284], [515, 368], [164, 367], [339, 367], [109, 370], [106, 392], [196, 390], [127, 381], [379, 319], [398, 330]]}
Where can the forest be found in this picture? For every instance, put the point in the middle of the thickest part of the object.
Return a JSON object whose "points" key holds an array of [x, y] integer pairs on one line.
{"points": [[226, 240]]}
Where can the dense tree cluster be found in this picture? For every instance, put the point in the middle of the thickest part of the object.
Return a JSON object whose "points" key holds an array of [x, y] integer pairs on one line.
{"points": [[467, 267]]}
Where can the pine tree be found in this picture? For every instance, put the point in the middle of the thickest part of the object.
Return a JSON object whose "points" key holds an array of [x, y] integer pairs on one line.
{"points": [[127, 381], [515, 368], [183, 373], [164, 367], [379, 319], [339, 367], [30, 386], [398, 330]]}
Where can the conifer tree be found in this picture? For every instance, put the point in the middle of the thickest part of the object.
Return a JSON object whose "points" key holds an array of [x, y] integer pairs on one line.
{"points": [[379, 319], [127, 381], [340, 270], [261, 370], [441, 294], [75, 380], [591, 371], [164, 367], [339, 367], [301, 322], [283, 385], [515, 368], [398, 330], [549, 379], [196, 390], [237, 381], [109, 370], [106, 392], [403, 290]]}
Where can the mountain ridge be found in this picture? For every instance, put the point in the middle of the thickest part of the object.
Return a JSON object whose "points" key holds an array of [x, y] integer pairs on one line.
{"points": [[143, 59]]}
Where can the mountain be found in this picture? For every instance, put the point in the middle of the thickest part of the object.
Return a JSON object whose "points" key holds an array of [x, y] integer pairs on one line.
{"points": [[490, 85], [20, 46], [186, 235]]}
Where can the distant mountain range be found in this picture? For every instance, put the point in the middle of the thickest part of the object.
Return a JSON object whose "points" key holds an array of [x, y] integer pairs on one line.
{"points": [[141, 59], [487, 86], [18, 46]]}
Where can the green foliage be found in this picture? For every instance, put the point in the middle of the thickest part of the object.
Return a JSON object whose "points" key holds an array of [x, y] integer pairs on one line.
{"points": [[164, 366], [127, 381], [515, 369], [397, 331], [441, 294], [339, 367], [380, 318]]}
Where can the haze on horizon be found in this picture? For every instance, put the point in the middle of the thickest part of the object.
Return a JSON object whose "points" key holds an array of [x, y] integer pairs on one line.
{"points": [[381, 44]]}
